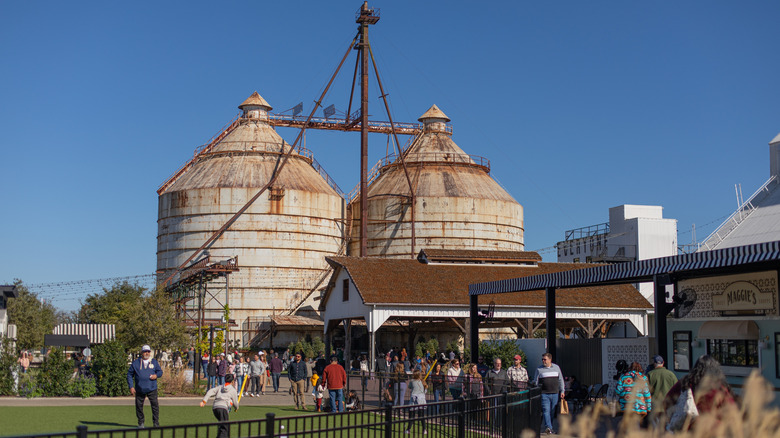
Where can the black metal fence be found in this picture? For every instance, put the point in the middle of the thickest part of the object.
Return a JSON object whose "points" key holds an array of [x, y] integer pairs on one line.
{"points": [[373, 388], [501, 415]]}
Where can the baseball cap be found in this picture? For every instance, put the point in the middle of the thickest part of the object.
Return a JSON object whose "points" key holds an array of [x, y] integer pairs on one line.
{"points": [[146, 348], [517, 356], [658, 359]]}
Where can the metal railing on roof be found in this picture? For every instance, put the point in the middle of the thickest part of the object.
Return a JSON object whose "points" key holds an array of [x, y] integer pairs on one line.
{"points": [[342, 124], [320, 170], [591, 230], [716, 237], [413, 159]]}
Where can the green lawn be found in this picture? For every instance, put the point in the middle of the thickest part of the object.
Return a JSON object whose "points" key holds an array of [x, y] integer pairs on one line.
{"points": [[16, 421], [46, 419]]}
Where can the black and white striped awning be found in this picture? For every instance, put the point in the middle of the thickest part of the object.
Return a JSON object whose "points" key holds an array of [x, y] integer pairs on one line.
{"points": [[639, 271], [97, 333]]}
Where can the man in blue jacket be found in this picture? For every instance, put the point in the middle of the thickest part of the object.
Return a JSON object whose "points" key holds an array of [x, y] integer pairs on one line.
{"points": [[142, 380]]}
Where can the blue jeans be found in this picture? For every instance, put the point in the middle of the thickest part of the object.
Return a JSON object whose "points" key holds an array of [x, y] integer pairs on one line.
{"points": [[221, 380], [549, 402], [336, 398], [212, 381], [240, 380], [203, 366], [438, 395], [399, 393], [275, 378], [456, 393]]}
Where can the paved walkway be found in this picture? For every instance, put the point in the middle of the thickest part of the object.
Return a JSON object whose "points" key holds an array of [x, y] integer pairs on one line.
{"points": [[281, 398]]}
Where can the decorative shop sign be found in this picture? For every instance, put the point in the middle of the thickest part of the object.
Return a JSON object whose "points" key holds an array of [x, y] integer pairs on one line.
{"points": [[742, 295], [755, 293]]}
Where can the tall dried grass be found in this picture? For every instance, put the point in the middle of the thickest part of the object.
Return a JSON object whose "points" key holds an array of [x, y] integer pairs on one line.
{"points": [[752, 417], [174, 383]]}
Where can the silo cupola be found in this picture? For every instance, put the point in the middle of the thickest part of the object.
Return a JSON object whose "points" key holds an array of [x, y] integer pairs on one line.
{"points": [[434, 120], [255, 107]]}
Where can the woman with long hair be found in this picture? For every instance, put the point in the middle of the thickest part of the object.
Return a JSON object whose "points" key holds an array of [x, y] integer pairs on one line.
{"points": [[398, 382], [263, 371], [473, 386], [438, 381], [24, 361], [418, 388], [706, 380], [633, 387]]}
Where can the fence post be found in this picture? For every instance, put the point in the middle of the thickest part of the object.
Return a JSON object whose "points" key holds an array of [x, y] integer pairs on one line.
{"points": [[388, 421], [461, 418], [270, 427], [81, 431], [363, 387], [505, 416]]}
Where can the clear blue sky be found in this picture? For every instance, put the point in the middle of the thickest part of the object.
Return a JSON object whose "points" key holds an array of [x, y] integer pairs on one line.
{"points": [[580, 106]]}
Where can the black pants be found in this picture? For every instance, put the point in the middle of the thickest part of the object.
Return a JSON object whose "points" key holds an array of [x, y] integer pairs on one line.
{"points": [[222, 417], [139, 407]]}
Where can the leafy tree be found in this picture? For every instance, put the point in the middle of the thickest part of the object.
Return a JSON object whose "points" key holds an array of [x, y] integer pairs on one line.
{"points": [[140, 317], [8, 365], [504, 349], [110, 368], [118, 305], [310, 348], [55, 372], [33, 318], [156, 324], [431, 345]]}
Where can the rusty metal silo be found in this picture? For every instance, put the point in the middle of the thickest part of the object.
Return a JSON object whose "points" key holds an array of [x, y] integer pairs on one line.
{"points": [[457, 204], [280, 241]]}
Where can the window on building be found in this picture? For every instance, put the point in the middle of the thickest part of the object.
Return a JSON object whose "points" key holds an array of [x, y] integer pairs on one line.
{"points": [[734, 352], [576, 260], [777, 355], [345, 290], [588, 259], [578, 248], [682, 351]]}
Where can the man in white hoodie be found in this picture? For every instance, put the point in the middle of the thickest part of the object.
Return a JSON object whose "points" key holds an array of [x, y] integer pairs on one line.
{"points": [[225, 396]]}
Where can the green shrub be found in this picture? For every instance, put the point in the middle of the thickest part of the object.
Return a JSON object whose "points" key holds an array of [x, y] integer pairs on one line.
{"points": [[29, 387], [8, 366], [82, 386], [505, 350], [109, 366], [431, 345], [310, 348], [55, 373]]}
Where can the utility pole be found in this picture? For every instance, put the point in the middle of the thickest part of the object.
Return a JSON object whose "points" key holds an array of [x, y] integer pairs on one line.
{"points": [[365, 18]]}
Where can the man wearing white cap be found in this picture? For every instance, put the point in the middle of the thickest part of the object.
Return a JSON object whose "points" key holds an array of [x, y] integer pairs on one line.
{"points": [[142, 381]]}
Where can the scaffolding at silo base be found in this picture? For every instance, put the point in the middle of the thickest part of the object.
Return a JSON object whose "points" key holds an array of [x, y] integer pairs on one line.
{"points": [[193, 284]]}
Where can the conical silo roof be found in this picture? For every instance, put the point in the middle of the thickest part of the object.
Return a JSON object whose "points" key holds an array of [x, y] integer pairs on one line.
{"points": [[255, 100], [247, 157], [457, 204], [439, 167], [434, 113]]}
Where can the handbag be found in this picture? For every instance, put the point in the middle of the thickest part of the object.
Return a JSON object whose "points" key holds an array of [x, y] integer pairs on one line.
{"points": [[684, 408], [564, 407]]}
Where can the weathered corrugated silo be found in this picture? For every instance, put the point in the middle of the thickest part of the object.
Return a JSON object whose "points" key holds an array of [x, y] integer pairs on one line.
{"points": [[280, 241], [458, 205]]}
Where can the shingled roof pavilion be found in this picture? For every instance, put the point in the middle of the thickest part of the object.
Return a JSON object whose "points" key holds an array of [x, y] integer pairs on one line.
{"points": [[389, 292]]}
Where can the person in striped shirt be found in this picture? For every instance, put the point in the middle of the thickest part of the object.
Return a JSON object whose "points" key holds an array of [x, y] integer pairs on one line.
{"points": [[550, 378]]}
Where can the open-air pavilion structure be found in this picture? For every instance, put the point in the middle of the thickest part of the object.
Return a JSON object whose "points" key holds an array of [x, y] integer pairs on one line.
{"points": [[666, 272], [411, 297]]}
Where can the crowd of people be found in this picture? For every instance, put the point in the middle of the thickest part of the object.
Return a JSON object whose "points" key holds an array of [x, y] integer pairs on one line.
{"points": [[653, 394], [660, 399]]}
